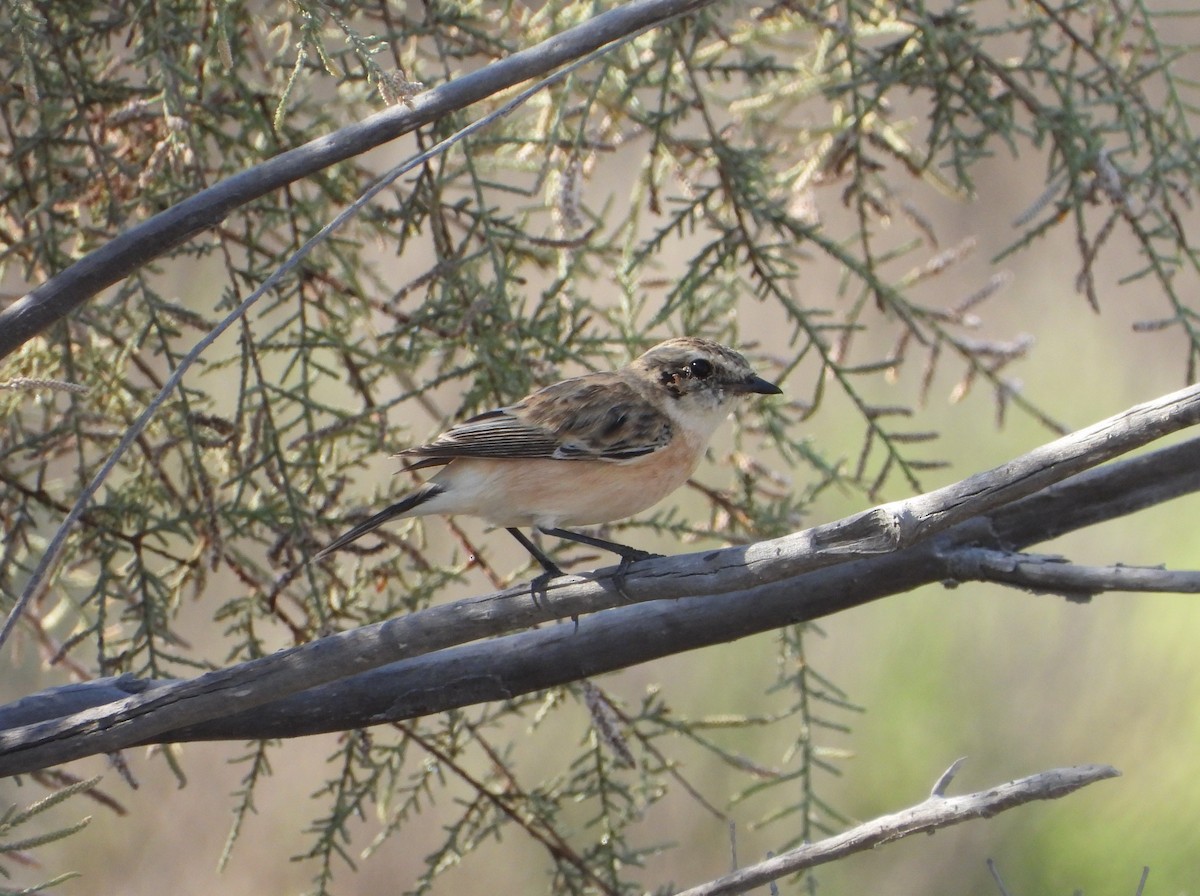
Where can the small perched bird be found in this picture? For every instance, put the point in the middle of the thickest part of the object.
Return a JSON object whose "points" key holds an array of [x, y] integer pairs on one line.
{"points": [[587, 450]]}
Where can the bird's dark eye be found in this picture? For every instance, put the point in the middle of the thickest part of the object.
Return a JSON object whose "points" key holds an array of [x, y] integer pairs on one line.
{"points": [[701, 369]]}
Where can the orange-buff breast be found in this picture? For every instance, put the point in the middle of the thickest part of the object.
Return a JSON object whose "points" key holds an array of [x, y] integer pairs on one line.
{"points": [[550, 493]]}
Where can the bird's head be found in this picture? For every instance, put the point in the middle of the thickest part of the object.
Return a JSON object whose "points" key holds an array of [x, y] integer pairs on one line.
{"points": [[701, 379]]}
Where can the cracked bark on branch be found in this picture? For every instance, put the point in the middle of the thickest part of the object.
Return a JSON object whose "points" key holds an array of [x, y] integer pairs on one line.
{"points": [[926, 817], [422, 663]]}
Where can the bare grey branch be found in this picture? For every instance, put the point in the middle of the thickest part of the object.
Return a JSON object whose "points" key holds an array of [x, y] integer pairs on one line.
{"points": [[935, 812], [1044, 573]]}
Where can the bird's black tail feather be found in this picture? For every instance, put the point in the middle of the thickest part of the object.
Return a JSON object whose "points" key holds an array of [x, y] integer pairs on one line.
{"points": [[400, 508]]}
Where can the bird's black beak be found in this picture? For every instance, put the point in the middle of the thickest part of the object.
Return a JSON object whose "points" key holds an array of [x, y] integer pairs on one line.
{"points": [[759, 385]]}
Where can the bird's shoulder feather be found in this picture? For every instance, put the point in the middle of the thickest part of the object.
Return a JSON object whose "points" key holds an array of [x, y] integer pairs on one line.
{"points": [[598, 416]]}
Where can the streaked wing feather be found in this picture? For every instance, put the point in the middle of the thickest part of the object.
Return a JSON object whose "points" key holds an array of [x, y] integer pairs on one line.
{"points": [[592, 417]]}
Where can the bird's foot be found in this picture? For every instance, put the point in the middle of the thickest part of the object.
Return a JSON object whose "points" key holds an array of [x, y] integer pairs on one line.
{"points": [[539, 585], [629, 556]]}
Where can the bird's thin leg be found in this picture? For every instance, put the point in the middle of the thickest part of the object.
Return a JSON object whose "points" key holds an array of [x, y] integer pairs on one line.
{"points": [[547, 564], [549, 567], [625, 552]]}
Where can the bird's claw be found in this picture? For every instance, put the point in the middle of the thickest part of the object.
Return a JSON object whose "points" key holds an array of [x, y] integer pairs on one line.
{"points": [[628, 558], [540, 584]]}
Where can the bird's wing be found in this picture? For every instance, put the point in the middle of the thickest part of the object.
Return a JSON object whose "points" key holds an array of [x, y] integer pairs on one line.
{"points": [[592, 417]]}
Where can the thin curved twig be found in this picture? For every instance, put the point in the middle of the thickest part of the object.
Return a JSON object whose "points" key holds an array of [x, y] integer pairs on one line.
{"points": [[138, 246]]}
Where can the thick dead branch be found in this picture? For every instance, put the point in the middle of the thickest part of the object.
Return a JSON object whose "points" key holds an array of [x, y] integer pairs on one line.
{"points": [[905, 522], [421, 663]]}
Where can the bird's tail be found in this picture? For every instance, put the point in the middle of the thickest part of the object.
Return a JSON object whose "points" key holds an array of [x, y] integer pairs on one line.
{"points": [[400, 508]]}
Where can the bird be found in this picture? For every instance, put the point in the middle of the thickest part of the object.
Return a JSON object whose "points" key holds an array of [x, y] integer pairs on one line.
{"points": [[580, 452]]}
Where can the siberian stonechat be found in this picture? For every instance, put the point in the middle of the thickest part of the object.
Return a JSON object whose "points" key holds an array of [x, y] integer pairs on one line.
{"points": [[587, 450]]}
